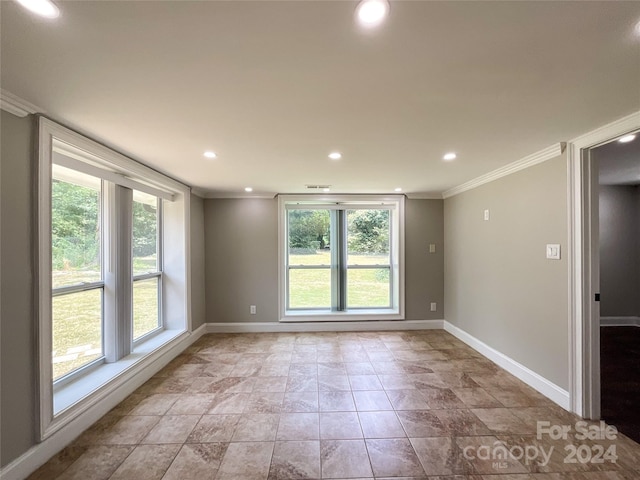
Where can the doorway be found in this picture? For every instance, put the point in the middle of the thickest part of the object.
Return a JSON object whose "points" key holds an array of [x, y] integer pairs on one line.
{"points": [[618, 254], [584, 264]]}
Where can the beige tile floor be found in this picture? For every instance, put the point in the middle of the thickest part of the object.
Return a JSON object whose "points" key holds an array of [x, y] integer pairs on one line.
{"points": [[409, 405]]}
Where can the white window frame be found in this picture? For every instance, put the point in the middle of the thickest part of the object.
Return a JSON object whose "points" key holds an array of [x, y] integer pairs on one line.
{"points": [[395, 203], [61, 404]]}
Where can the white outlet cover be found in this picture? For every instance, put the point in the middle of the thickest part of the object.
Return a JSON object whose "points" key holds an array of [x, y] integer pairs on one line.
{"points": [[486, 215], [432, 248]]}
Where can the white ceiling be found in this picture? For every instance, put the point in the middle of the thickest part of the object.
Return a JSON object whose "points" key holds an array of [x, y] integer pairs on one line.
{"points": [[274, 87]]}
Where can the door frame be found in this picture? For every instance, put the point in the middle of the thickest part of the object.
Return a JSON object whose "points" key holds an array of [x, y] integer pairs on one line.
{"points": [[584, 265]]}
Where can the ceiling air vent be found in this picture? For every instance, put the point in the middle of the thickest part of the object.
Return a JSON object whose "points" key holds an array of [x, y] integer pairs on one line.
{"points": [[317, 187]]}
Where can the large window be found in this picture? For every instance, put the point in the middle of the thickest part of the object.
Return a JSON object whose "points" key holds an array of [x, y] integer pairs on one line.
{"points": [[90, 322], [341, 258], [108, 297]]}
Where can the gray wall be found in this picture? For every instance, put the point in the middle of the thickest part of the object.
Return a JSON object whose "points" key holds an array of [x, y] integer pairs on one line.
{"points": [[198, 308], [241, 259], [18, 355], [424, 271], [619, 251], [499, 287], [241, 245]]}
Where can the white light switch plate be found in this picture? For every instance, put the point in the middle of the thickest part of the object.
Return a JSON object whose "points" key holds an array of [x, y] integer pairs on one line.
{"points": [[432, 248], [553, 251], [487, 215]]}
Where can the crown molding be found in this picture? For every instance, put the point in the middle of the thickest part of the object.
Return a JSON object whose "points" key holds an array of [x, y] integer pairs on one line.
{"points": [[424, 196], [609, 131], [17, 106], [542, 156], [199, 192], [247, 196]]}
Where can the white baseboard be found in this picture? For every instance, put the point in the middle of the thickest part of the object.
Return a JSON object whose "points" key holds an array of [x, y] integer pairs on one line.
{"points": [[619, 321], [531, 378], [37, 455], [368, 326]]}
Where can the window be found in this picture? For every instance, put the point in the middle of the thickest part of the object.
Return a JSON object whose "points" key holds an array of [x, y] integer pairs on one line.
{"points": [[104, 305], [341, 258], [147, 261], [76, 271], [99, 318], [369, 279]]}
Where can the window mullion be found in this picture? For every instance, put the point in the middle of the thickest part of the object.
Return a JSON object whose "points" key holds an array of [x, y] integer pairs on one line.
{"points": [[118, 274], [338, 260], [343, 260], [335, 260], [160, 264]]}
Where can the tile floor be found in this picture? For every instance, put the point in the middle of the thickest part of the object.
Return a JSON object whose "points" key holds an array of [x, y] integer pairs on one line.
{"points": [[410, 405]]}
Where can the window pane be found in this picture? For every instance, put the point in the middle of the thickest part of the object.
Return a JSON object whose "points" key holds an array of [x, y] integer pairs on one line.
{"points": [[309, 236], [310, 288], [145, 233], [368, 288], [368, 237], [75, 227], [77, 330], [145, 307]]}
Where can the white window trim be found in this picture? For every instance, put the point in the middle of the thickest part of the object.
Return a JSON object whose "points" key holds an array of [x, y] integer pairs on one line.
{"points": [[353, 315], [76, 396]]}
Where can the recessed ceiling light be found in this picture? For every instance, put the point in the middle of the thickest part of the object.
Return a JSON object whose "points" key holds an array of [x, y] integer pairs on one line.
{"points": [[449, 156], [335, 155], [44, 8], [210, 154], [248, 189], [627, 138], [398, 189], [372, 12]]}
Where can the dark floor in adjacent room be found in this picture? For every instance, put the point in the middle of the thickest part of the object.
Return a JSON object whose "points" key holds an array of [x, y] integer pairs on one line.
{"points": [[620, 378]]}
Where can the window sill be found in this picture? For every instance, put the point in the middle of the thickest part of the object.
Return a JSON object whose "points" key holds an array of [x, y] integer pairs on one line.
{"points": [[352, 316], [74, 394]]}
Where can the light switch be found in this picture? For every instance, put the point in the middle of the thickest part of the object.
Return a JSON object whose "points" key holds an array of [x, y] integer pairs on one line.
{"points": [[553, 251], [486, 215], [432, 248]]}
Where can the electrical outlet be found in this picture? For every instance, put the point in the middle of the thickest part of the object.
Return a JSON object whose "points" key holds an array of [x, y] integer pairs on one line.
{"points": [[434, 306], [252, 310], [432, 248], [487, 215]]}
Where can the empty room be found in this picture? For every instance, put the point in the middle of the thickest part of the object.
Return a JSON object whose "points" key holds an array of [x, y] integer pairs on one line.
{"points": [[286, 240]]}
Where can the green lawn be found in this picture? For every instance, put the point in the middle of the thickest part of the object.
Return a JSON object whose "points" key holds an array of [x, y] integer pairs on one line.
{"points": [[77, 329], [312, 288]]}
